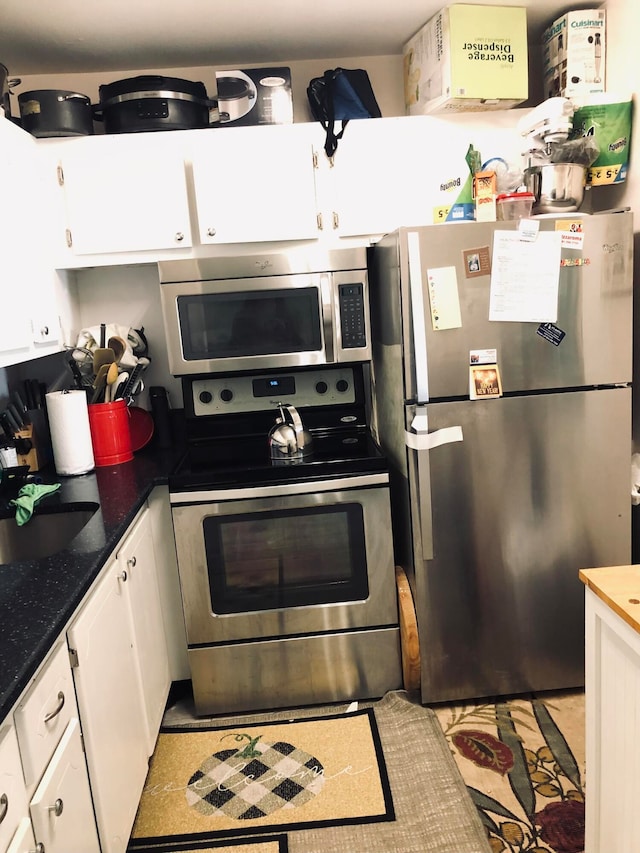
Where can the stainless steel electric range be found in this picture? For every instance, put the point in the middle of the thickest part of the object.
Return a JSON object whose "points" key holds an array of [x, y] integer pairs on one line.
{"points": [[286, 564]]}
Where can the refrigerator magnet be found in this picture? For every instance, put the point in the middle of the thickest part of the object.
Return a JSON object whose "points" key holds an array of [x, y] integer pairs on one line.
{"points": [[484, 382]]}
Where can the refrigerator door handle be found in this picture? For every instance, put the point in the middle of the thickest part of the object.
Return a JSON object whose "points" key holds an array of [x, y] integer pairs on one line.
{"points": [[423, 485], [417, 314]]}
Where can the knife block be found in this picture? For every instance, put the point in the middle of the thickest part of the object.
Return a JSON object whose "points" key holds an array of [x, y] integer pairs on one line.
{"points": [[37, 432]]}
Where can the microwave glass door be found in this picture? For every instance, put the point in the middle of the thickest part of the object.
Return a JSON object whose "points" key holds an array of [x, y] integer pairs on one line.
{"points": [[250, 323], [286, 558]]}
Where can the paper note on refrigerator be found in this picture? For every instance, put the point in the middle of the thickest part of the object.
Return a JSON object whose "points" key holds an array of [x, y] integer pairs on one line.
{"points": [[443, 298], [525, 277]]}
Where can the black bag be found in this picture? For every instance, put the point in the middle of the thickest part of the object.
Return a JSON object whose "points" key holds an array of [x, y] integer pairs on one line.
{"points": [[341, 94]]}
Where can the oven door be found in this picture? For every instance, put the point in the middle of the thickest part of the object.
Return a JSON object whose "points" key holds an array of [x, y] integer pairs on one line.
{"points": [[285, 560]]}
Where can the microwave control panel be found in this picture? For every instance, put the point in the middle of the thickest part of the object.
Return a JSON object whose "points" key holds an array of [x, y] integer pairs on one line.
{"points": [[217, 395], [352, 316]]}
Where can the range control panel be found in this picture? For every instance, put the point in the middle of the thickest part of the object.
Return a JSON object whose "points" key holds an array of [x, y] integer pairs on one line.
{"points": [[227, 395]]}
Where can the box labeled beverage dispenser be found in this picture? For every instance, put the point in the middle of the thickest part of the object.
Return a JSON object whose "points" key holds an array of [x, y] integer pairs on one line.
{"points": [[467, 58]]}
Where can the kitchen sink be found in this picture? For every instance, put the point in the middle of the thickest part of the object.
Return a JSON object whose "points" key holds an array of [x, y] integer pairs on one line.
{"points": [[49, 530]]}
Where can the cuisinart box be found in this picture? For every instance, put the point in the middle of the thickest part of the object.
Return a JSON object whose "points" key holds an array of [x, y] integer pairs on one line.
{"points": [[467, 58], [573, 58], [255, 96]]}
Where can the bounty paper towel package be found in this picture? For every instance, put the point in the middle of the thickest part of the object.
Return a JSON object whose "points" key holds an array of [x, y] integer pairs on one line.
{"points": [[467, 58]]}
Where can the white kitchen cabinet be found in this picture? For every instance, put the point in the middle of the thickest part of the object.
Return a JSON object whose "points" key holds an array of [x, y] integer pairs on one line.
{"points": [[29, 324], [136, 559], [255, 184], [61, 808], [122, 193], [23, 840], [381, 176], [109, 699], [13, 794], [612, 706]]}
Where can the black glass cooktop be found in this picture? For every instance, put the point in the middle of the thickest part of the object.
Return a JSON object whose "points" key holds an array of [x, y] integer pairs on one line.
{"points": [[245, 460]]}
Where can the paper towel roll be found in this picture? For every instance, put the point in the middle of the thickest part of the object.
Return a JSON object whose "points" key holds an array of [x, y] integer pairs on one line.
{"points": [[70, 433]]}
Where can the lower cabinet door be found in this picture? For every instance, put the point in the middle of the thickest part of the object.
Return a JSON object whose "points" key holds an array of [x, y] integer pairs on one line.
{"points": [[110, 706], [23, 841], [61, 808]]}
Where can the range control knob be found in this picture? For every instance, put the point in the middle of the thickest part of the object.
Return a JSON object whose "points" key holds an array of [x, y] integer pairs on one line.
{"points": [[321, 387], [205, 397], [226, 395], [342, 385]]}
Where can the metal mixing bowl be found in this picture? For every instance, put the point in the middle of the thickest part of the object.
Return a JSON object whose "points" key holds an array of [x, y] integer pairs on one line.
{"points": [[557, 187]]}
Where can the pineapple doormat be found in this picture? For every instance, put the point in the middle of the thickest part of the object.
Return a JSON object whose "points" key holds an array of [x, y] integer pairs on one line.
{"points": [[210, 783]]}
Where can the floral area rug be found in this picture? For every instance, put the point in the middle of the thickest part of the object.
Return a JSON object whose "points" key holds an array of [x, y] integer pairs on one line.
{"points": [[523, 763]]}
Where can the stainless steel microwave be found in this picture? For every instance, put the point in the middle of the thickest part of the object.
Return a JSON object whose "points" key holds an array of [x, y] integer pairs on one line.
{"points": [[289, 309]]}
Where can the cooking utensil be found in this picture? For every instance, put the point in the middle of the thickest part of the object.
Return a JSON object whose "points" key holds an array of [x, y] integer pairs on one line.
{"points": [[102, 356], [119, 347], [116, 393], [152, 102], [55, 112], [111, 379], [100, 383]]}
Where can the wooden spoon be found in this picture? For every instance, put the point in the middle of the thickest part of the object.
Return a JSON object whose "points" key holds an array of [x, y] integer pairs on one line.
{"points": [[119, 347], [111, 379], [102, 356]]}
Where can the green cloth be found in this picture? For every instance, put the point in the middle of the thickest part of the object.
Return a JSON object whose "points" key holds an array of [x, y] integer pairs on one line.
{"points": [[28, 497]]}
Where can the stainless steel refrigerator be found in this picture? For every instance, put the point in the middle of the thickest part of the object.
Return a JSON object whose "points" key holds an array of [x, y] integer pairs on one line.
{"points": [[502, 490]]}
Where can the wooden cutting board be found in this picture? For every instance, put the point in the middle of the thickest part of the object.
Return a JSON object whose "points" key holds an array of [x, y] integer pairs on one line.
{"points": [[409, 644]]}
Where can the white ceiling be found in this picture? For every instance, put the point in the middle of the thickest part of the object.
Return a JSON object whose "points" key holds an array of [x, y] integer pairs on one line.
{"points": [[61, 36]]}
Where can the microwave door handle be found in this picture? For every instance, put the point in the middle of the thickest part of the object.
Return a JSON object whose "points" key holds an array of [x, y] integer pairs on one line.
{"points": [[328, 324], [417, 316]]}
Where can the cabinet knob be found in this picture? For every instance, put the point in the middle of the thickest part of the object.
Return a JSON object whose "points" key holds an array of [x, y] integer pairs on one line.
{"points": [[211, 232], [44, 332], [179, 237], [57, 807], [57, 709], [122, 577], [132, 562], [39, 848], [4, 806]]}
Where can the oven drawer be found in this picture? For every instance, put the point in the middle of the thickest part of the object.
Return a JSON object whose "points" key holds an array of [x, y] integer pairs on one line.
{"points": [[296, 671]]}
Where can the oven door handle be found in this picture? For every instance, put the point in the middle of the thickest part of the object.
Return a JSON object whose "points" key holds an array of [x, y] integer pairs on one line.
{"points": [[278, 490]]}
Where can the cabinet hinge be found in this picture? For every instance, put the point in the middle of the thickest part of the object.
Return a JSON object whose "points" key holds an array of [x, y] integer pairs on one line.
{"points": [[68, 237], [73, 658], [60, 173], [315, 159], [319, 221], [336, 220]]}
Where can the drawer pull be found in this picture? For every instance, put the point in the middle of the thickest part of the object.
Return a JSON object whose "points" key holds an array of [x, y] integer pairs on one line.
{"points": [[57, 807], [4, 806], [57, 709]]}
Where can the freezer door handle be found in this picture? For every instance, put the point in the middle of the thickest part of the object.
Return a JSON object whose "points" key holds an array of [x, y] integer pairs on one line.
{"points": [[423, 483], [417, 316]]}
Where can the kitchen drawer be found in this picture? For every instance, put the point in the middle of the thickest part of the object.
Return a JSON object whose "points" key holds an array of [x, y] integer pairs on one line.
{"points": [[13, 797], [61, 808], [43, 714]]}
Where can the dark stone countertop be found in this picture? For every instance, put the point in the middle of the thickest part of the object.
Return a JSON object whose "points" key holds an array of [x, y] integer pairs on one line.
{"points": [[39, 597]]}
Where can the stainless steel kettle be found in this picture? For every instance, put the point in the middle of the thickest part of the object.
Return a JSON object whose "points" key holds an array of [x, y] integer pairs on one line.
{"points": [[289, 442]]}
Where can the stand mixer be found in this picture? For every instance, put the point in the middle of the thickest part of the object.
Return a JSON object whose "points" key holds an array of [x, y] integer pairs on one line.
{"points": [[557, 167]]}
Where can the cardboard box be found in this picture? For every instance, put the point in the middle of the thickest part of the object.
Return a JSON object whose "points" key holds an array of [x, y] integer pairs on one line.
{"points": [[255, 96], [467, 58], [573, 58]]}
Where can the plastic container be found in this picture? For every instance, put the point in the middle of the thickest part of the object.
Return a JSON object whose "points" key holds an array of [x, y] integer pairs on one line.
{"points": [[514, 205], [110, 433]]}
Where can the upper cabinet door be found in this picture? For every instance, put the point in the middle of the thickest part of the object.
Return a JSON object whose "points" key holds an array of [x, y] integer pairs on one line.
{"points": [[255, 184], [124, 193], [379, 180]]}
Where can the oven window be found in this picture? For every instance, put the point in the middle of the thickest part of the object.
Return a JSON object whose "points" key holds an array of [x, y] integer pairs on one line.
{"points": [[260, 322], [287, 558]]}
